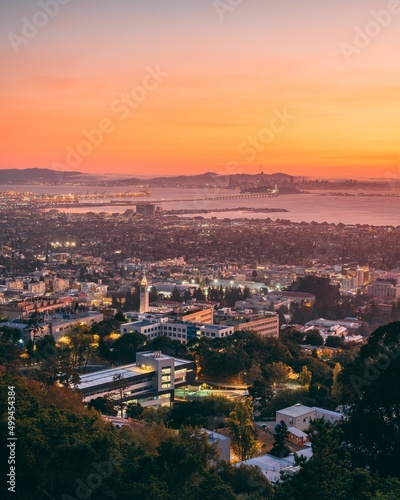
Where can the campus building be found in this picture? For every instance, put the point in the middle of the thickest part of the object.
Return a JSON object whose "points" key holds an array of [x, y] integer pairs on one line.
{"points": [[176, 330], [150, 381]]}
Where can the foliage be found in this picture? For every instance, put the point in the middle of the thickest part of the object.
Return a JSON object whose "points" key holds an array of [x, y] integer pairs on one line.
{"points": [[104, 405], [372, 386], [305, 377], [277, 373], [242, 429], [280, 449]]}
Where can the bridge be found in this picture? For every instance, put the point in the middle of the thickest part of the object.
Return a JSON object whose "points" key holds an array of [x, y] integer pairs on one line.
{"points": [[209, 198]]}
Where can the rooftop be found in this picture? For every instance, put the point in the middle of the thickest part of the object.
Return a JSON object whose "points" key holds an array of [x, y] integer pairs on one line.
{"points": [[296, 410], [107, 376]]}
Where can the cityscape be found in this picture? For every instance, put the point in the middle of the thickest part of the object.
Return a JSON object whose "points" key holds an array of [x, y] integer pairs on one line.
{"points": [[200, 284]]}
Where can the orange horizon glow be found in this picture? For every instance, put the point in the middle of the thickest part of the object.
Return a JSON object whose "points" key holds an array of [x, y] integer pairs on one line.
{"points": [[223, 86]]}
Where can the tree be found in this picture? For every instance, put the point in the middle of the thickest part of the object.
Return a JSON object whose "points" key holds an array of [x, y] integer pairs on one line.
{"points": [[104, 405], [313, 337], [176, 295], [261, 394], [126, 346], [242, 429], [81, 344], [305, 377], [35, 325], [337, 387], [134, 410], [120, 317], [119, 385], [334, 341], [372, 387], [198, 294], [280, 449], [277, 373], [55, 427]]}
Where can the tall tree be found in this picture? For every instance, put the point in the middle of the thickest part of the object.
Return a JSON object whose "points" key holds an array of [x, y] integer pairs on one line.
{"points": [[242, 429]]}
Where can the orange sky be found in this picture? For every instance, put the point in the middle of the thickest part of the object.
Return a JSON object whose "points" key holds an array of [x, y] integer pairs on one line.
{"points": [[251, 85]]}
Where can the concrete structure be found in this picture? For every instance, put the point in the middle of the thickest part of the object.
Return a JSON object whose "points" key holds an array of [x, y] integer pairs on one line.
{"points": [[197, 314], [297, 416], [177, 330], [60, 326], [222, 444], [384, 290], [144, 295], [15, 285], [328, 415], [22, 309], [146, 210], [150, 381], [264, 324], [60, 285], [37, 287]]}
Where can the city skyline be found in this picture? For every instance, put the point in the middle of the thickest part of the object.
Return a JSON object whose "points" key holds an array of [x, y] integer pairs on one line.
{"points": [[150, 90]]}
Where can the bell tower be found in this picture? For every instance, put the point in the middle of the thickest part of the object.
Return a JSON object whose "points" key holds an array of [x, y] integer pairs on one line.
{"points": [[144, 295]]}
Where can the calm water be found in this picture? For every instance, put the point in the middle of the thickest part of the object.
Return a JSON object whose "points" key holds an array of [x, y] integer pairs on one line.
{"points": [[301, 207]]}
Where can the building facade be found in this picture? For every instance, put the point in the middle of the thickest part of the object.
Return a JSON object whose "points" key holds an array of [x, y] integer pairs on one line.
{"points": [[150, 381]]}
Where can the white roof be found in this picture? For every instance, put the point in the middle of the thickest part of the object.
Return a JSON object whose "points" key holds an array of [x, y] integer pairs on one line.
{"points": [[297, 432], [107, 376], [271, 466], [296, 410]]}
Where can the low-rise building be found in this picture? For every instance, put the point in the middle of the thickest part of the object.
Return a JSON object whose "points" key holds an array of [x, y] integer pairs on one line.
{"points": [[177, 330], [222, 444], [150, 381], [298, 416]]}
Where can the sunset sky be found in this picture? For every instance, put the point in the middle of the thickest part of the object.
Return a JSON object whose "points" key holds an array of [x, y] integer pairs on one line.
{"points": [[262, 83]]}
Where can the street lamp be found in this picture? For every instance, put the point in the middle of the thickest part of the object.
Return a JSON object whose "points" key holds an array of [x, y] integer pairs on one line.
{"points": [[169, 422]]}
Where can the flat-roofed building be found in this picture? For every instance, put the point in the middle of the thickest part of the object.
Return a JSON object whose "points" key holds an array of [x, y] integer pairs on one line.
{"points": [[265, 324], [61, 326], [150, 381], [298, 416], [198, 315], [177, 330]]}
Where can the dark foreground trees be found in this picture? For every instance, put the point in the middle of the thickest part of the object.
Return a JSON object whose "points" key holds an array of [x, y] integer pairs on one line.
{"points": [[65, 451]]}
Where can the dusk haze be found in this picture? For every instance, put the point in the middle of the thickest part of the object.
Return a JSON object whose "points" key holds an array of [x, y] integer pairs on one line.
{"points": [[226, 68], [200, 250]]}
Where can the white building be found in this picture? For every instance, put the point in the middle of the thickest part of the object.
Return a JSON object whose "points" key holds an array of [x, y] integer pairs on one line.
{"points": [[150, 381], [176, 330], [297, 416]]}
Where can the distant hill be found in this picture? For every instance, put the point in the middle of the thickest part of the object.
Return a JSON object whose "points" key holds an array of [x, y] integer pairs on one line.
{"points": [[36, 175], [47, 176]]}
